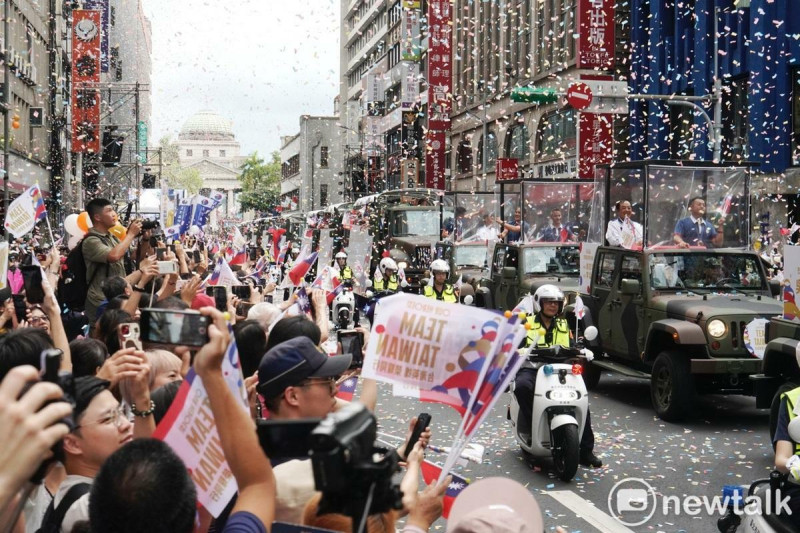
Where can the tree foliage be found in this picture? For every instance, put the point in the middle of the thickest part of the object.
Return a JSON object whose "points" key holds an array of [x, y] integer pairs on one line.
{"points": [[177, 177], [261, 183]]}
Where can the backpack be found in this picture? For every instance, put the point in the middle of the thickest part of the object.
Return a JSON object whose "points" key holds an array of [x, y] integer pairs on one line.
{"points": [[53, 517], [73, 285]]}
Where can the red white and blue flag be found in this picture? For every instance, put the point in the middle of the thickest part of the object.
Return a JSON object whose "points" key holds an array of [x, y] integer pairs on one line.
{"points": [[431, 473], [239, 256], [347, 388], [304, 263], [40, 211]]}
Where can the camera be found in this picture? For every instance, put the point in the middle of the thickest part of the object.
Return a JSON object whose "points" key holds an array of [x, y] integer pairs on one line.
{"points": [[150, 224], [348, 467]]}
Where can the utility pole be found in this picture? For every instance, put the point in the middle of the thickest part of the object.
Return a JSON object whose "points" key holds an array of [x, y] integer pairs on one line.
{"points": [[717, 92]]}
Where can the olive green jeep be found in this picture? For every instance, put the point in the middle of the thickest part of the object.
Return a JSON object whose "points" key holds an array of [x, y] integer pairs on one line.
{"points": [[677, 317]]}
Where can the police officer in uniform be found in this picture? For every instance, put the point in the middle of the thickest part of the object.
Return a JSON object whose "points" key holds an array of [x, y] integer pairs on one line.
{"points": [[549, 329], [787, 449], [441, 290], [345, 272], [387, 280]]}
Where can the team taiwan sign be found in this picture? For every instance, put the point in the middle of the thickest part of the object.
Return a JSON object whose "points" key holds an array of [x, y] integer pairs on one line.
{"points": [[86, 39], [596, 34]]}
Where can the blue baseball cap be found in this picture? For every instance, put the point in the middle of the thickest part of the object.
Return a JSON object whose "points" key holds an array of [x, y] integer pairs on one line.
{"points": [[291, 362]]}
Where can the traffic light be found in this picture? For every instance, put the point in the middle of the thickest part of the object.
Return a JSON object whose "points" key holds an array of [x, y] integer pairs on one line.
{"points": [[531, 95]]}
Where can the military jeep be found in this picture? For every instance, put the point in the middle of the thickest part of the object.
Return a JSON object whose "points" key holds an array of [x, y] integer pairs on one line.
{"points": [[469, 261], [517, 270], [677, 316]]}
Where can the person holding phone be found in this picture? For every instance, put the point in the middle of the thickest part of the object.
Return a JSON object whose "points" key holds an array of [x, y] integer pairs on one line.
{"points": [[103, 253]]}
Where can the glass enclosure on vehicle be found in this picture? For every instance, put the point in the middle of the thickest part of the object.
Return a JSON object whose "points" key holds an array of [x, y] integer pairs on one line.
{"points": [[405, 223], [660, 193], [471, 255], [546, 203], [706, 271], [474, 207], [551, 260]]}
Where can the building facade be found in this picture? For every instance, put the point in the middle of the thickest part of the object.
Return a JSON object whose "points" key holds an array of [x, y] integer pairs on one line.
{"points": [[312, 170], [207, 143]]}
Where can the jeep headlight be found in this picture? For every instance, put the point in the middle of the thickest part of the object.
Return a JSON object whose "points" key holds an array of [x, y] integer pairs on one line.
{"points": [[716, 328], [402, 265]]}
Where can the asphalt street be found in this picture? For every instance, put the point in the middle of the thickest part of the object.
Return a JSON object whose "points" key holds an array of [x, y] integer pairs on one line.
{"points": [[725, 443]]}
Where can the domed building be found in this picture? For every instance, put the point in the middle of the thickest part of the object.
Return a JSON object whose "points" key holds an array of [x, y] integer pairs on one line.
{"points": [[207, 142]]}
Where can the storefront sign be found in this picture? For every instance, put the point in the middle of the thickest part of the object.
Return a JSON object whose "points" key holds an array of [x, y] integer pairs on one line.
{"points": [[596, 34], [507, 169], [595, 142]]}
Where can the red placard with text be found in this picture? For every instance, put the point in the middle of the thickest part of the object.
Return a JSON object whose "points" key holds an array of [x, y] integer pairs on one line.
{"points": [[595, 142], [435, 160], [86, 38], [596, 34], [507, 169]]}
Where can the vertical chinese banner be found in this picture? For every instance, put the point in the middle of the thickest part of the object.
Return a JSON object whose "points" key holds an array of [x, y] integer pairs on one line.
{"points": [[105, 10], [595, 142], [86, 77], [596, 34], [439, 91]]}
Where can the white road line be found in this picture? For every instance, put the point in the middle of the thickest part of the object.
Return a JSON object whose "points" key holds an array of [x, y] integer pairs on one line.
{"points": [[583, 508]]}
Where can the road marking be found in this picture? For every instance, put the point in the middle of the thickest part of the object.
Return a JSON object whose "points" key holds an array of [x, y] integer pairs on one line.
{"points": [[589, 512]]}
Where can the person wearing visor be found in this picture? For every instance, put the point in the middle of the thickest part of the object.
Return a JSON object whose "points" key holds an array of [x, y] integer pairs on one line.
{"points": [[386, 278], [548, 328], [440, 289], [345, 272]]}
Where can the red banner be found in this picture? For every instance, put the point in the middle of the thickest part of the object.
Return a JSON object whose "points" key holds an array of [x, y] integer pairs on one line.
{"points": [[439, 90], [596, 35], [595, 142], [435, 160], [507, 169], [86, 38]]}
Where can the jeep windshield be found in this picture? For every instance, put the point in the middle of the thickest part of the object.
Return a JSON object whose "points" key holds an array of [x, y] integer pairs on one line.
{"points": [[470, 255], [706, 272], [412, 223], [551, 260]]}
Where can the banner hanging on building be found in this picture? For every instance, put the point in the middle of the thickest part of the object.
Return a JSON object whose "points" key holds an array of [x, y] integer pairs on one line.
{"points": [[595, 142], [105, 9], [439, 90], [411, 35], [86, 40], [596, 34]]}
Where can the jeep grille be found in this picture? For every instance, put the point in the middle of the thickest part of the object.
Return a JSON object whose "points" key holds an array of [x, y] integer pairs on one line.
{"points": [[737, 332]]}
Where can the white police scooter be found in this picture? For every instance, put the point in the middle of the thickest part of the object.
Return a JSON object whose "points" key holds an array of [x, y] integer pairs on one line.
{"points": [[343, 308], [560, 404]]}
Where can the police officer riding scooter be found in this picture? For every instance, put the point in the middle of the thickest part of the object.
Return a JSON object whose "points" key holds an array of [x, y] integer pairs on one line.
{"points": [[440, 289], [547, 329]]}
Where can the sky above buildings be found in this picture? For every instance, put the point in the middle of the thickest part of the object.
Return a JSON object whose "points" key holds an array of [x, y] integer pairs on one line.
{"points": [[260, 63]]}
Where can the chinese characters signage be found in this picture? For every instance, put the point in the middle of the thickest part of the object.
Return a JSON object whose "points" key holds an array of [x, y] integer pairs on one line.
{"points": [[507, 169], [411, 46], [596, 35], [595, 142], [439, 90]]}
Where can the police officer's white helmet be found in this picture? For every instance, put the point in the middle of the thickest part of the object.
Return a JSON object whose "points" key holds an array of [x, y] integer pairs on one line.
{"points": [[387, 263], [341, 255], [440, 265], [547, 293]]}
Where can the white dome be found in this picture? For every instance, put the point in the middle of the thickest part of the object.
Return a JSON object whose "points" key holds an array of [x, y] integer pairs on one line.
{"points": [[207, 126]]}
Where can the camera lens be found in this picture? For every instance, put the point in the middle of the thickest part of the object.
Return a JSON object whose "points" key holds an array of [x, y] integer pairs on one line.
{"points": [[126, 330]]}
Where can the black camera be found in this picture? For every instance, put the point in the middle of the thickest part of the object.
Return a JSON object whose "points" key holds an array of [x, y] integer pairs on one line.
{"points": [[150, 224], [349, 469]]}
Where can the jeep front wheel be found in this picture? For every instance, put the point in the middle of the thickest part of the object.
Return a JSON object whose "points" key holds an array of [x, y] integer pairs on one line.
{"points": [[591, 375], [671, 386]]}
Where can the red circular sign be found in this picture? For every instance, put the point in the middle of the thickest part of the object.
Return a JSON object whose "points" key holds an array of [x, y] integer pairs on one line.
{"points": [[579, 95]]}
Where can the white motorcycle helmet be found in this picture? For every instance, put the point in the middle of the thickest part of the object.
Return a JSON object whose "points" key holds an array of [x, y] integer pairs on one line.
{"points": [[440, 265], [341, 255], [387, 263], [547, 293]]}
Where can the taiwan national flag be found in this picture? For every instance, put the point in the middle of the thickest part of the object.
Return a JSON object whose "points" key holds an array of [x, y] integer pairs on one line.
{"points": [[431, 472], [277, 236], [301, 268], [347, 388], [239, 256], [38, 203]]}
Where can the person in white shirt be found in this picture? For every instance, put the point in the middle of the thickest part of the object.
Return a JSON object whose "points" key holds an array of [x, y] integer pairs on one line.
{"points": [[622, 231], [489, 231]]}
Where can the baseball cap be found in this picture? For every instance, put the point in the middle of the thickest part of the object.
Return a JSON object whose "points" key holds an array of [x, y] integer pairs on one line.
{"points": [[293, 361], [495, 505]]}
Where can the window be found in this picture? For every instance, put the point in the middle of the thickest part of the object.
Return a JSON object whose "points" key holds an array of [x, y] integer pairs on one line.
{"points": [[323, 195], [222, 153], [464, 157], [517, 143], [630, 269], [205, 153], [605, 274], [491, 151], [291, 167], [795, 116], [188, 153], [323, 158], [556, 135]]}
